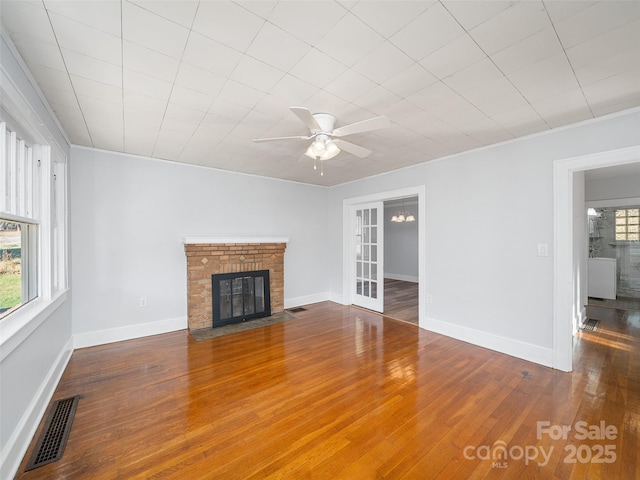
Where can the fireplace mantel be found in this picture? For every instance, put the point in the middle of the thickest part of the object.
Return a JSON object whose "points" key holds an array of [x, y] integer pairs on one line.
{"points": [[229, 240]]}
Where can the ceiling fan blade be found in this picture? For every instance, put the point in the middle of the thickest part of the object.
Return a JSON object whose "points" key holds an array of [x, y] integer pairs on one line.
{"points": [[305, 115], [275, 139], [356, 150], [363, 126]]}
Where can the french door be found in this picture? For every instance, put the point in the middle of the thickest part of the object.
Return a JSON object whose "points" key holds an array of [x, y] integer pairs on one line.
{"points": [[368, 256]]}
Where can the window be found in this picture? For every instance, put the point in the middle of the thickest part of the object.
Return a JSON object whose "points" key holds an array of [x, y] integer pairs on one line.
{"points": [[628, 224], [32, 219]]}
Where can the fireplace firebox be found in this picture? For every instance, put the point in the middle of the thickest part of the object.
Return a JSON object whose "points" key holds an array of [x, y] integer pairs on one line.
{"points": [[238, 297]]}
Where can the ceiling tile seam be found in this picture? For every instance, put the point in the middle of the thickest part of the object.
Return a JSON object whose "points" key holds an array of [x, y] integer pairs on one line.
{"points": [[140, 5], [75, 94], [499, 69], [564, 51]]}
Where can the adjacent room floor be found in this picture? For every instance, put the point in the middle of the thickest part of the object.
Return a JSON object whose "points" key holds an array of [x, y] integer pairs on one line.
{"points": [[342, 393]]}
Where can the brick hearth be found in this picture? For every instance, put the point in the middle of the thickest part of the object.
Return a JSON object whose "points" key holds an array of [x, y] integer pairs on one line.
{"points": [[206, 257]]}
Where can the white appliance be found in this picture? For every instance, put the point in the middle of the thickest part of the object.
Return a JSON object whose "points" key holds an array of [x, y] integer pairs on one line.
{"points": [[601, 275]]}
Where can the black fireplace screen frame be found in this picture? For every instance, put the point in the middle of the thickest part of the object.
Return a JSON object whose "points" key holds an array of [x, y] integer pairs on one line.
{"points": [[240, 296]]}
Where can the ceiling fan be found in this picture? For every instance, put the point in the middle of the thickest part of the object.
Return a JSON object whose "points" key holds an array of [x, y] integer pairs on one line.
{"points": [[327, 141]]}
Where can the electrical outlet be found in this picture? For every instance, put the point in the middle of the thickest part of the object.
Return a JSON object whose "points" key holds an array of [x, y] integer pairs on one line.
{"points": [[543, 250], [429, 299], [143, 301]]}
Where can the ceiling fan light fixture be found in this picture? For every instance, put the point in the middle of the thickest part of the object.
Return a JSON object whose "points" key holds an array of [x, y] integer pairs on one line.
{"points": [[410, 218]]}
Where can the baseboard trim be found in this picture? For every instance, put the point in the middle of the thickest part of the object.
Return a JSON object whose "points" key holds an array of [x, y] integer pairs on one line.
{"points": [[404, 278], [18, 443], [306, 299], [128, 332], [515, 348]]}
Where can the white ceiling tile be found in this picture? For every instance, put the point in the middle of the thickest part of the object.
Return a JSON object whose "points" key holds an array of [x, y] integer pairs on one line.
{"points": [[93, 69], [410, 81], [84, 87], [323, 101], [107, 139], [428, 32], [146, 85], [273, 106], [621, 89], [308, 20], [28, 19], [570, 107], [190, 98], [349, 40], [210, 55], [101, 111], [181, 12], [152, 31], [256, 74], [198, 79], [452, 57], [88, 41], [484, 93], [317, 68], [38, 52], [383, 63], [561, 10], [141, 122], [293, 91], [276, 47], [468, 79], [184, 115], [170, 144], [470, 14], [545, 79], [386, 20], [226, 110], [626, 62], [103, 15], [511, 25], [520, 121], [262, 8], [220, 125], [596, 20], [533, 49], [149, 62], [486, 131], [438, 98], [350, 85], [52, 79], [377, 100], [616, 41], [500, 103], [464, 117], [138, 144], [228, 23], [235, 92]]}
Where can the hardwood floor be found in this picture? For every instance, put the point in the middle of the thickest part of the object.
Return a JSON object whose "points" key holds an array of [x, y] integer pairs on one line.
{"points": [[342, 393], [401, 300]]}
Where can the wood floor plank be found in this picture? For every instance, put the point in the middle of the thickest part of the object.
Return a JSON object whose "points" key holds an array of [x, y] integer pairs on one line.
{"points": [[343, 393]]}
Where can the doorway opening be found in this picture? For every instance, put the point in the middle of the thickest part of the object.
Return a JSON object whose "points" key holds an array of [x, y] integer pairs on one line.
{"points": [[570, 237], [350, 242], [401, 276]]}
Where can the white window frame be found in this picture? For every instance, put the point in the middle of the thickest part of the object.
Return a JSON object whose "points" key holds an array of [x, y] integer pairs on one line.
{"points": [[53, 229]]}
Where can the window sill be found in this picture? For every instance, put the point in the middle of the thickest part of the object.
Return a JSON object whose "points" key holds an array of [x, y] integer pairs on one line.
{"points": [[16, 328]]}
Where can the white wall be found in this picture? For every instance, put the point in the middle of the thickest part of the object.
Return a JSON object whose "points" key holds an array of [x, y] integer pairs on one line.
{"points": [[486, 212], [130, 214], [34, 355], [401, 245]]}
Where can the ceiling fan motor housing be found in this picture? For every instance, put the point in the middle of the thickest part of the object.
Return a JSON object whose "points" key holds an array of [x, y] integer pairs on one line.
{"points": [[326, 121]]}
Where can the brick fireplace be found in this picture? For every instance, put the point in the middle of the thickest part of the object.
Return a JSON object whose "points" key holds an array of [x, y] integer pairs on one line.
{"points": [[208, 256]]}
